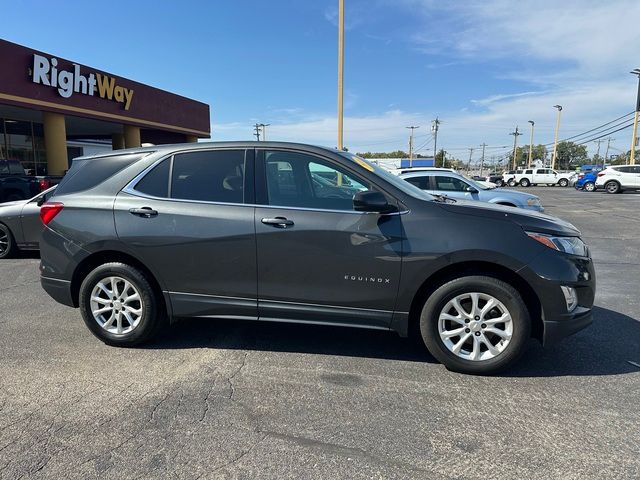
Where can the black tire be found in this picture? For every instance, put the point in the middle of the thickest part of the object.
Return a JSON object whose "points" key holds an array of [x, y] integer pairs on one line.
{"points": [[589, 187], [8, 247], [498, 289], [563, 182], [525, 182], [612, 187], [153, 314], [512, 183], [499, 183]]}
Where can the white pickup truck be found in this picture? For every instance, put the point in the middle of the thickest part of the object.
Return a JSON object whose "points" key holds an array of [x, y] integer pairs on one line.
{"points": [[535, 176]]}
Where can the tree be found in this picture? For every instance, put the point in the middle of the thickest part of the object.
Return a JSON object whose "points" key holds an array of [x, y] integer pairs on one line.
{"points": [[522, 154], [570, 154]]}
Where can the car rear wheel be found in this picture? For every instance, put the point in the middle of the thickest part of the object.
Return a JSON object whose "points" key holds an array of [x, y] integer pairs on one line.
{"points": [[589, 186], [8, 246], [612, 187], [524, 182], [120, 306], [475, 324], [563, 182]]}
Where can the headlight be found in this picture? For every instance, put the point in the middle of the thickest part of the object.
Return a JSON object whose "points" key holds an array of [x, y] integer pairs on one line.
{"points": [[533, 202], [570, 245]]}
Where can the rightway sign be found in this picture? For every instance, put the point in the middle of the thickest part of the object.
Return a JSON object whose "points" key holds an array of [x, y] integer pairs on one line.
{"points": [[46, 72]]}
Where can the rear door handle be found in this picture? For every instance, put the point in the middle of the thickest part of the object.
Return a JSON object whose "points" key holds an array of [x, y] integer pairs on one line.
{"points": [[146, 212], [278, 222]]}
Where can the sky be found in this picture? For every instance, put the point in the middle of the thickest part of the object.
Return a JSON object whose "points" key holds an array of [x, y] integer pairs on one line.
{"points": [[481, 67]]}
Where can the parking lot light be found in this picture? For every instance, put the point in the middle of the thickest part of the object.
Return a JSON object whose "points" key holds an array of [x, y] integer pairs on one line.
{"points": [[634, 138]]}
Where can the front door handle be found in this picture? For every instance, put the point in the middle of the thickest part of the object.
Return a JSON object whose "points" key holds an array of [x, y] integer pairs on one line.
{"points": [[146, 212], [278, 222]]}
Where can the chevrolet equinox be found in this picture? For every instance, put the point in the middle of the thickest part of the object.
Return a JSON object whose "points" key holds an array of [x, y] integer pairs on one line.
{"points": [[285, 232]]}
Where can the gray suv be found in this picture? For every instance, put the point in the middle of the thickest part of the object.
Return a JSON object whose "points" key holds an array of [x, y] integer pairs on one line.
{"points": [[295, 233]]}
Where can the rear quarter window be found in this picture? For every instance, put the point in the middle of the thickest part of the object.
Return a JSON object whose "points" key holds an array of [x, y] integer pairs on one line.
{"points": [[86, 174]]}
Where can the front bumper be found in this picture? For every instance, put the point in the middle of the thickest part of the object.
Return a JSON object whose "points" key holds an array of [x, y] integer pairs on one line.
{"points": [[546, 274]]}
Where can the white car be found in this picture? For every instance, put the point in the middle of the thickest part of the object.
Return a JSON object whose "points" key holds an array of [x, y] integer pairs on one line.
{"points": [[535, 176], [618, 178]]}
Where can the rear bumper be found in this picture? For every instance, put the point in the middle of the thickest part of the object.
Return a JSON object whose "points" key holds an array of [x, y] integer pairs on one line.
{"points": [[59, 290]]}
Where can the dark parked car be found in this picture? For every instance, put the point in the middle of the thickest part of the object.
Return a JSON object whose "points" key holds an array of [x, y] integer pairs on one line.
{"points": [[496, 178], [20, 225], [15, 184], [242, 230]]}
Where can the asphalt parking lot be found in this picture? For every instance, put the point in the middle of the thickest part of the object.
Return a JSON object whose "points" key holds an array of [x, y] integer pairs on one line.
{"points": [[246, 400]]}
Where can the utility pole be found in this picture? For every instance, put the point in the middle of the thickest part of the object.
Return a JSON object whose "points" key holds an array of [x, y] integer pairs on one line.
{"points": [[531, 144], [634, 138], [470, 155], [434, 129], [483, 145], [555, 142], [515, 134], [340, 71], [264, 130], [444, 156], [257, 131], [412, 128], [598, 150], [606, 155]]}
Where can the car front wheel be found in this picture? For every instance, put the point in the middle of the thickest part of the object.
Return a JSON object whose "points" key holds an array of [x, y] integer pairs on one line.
{"points": [[512, 183], [120, 306], [589, 186], [524, 182], [563, 182], [475, 324]]}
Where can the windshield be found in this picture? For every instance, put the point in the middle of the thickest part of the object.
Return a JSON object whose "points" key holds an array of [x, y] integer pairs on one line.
{"points": [[394, 180]]}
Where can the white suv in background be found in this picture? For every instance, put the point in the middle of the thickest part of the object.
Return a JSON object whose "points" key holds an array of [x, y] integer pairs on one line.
{"points": [[619, 178]]}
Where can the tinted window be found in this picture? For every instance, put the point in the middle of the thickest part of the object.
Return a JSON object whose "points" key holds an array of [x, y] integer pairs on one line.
{"points": [[299, 180], [528, 172], [421, 182], [94, 172], [450, 184], [623, 169], [209, 176], [156, 182]]}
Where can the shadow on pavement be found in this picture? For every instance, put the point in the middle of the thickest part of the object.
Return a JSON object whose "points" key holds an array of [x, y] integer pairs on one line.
{"points": [[604, 348]]}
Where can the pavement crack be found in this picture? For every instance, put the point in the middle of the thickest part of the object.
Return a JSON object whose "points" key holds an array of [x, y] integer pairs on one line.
{"points": [[230, 379]]}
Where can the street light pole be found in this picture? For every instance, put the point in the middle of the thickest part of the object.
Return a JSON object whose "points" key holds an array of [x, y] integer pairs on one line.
{"points": [[531, 144], [555, 142], [264, 131], [634, 138], [340, 70]]}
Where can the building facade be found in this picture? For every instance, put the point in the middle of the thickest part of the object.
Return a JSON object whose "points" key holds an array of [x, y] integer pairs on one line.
{"points": [[52, 108]]}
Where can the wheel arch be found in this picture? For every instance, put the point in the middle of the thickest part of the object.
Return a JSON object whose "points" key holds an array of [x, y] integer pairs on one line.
{"points": [[488, 269], [107, 256]]}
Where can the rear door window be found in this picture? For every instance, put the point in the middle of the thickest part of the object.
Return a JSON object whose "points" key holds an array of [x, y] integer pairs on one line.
{"points": [[156, 182], [209, 176], [421, 182]]}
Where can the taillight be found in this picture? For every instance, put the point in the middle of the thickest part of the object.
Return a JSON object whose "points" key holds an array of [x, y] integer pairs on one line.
{"points": [[601, 174], [49, 210], [44, 184]]}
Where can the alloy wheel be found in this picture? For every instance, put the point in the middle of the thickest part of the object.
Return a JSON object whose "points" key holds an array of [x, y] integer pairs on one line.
{"points": [[475, 326], [116, 305], [4, 241]]}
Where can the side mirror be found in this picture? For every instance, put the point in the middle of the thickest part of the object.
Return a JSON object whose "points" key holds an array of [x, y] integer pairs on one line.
{"points": [[472, 190], [370, 201]]}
